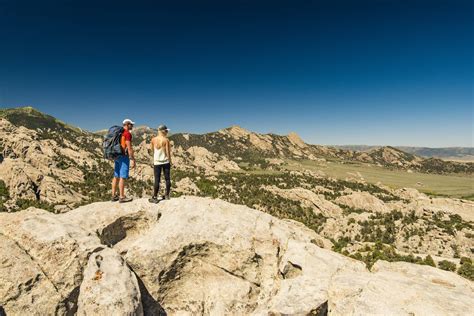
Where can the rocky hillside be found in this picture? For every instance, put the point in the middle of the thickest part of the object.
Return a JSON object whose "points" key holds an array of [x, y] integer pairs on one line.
{"points": [[44, 160], [446, 153], [47, 163], [236, 144], [57, 165], [200, 256], [240, 145]]}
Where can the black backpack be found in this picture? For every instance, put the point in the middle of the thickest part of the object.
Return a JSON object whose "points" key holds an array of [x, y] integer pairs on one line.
{"points": [[112, 147]]}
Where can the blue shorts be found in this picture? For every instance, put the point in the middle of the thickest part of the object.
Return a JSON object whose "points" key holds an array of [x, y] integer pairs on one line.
{"points": [[122, 166]]}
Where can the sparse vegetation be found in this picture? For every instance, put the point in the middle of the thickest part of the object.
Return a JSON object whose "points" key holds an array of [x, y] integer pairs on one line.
{"points": [[25, 203], [46, 126], [380, 251], [348, 210], [381, 227], [451, 226], [340, 244]]}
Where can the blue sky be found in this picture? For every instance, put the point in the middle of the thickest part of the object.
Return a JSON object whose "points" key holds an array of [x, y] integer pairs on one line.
{"points": [[336, 72]]}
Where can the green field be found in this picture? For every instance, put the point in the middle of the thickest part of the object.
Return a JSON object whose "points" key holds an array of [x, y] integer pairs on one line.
{"points": [[460, 186]]}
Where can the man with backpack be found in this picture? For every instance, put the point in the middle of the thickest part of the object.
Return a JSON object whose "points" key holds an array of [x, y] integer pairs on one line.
{"points": [[123, 157]]}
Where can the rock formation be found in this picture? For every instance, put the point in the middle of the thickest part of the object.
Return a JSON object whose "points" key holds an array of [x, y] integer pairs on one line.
{"points": [[200, 256]]}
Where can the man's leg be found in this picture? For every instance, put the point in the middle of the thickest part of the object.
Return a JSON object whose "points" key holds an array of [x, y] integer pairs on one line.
{"points": [[122, 187], [115, 179], [124, 168], [114, 186]]}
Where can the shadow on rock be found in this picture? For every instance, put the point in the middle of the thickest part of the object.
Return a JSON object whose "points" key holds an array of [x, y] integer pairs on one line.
{"points": [[151, 307]]}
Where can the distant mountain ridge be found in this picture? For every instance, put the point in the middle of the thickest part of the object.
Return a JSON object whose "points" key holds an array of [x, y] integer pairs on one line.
{"points": [[449, 153], [238, 144]]}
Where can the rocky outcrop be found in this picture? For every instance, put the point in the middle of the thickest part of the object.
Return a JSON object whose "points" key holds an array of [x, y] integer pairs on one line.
{"points": [[210, 162], [195, 255], [187, 186], [296, 140], [36, 168], [363, 201], [235, 131], [23, 281], [54, 254], [109, 287], [463, 208], [399, 289], [308, 199]]}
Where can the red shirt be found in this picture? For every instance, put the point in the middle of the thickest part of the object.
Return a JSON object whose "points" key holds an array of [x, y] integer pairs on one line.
{"points": [[126, 135]]}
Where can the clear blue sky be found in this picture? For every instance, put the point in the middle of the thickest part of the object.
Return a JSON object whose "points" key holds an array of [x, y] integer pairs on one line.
{"points": [[336, 72]]}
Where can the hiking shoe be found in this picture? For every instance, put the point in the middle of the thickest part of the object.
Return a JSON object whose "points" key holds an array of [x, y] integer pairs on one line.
{"points": [[153, 200], [166, 197], [125, 199], [115, 198]]}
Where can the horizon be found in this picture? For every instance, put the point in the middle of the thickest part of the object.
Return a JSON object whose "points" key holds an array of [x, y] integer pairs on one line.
{"points": [[239, 126], [371, 72]]}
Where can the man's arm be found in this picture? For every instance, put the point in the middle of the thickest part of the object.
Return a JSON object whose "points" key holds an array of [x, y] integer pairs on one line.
{"points": [[130, 153]]}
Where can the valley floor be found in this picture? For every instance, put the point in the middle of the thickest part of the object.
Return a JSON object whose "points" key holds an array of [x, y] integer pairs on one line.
{"points": [[457, 186]]}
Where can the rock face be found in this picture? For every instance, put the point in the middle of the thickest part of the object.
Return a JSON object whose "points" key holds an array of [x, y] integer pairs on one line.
{"points": [[35, 168], [53, 255], [296, 139], [209, 162], [309, 199], [187, 186], [109, 287], [364, 201], [399, 289], [200, 256], [22, 281]]}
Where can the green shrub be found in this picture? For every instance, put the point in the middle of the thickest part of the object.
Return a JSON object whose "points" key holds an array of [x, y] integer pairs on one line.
{"points": [[3, 190], [340, 244], [465, 260], [455, 251], [447, 265], [467, 270], [429, 261], [4, 195]]}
